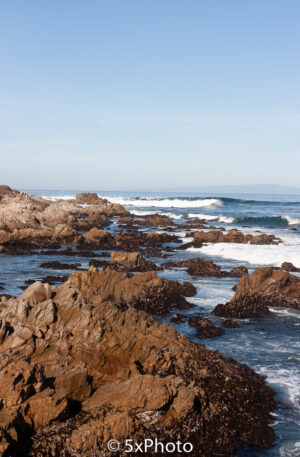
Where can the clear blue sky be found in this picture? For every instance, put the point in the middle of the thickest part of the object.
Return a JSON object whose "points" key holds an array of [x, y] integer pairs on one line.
{"points": [[123, 94]]}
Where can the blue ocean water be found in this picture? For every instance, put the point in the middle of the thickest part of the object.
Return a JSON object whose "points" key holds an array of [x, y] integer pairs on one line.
{"points": [[271, 345]]}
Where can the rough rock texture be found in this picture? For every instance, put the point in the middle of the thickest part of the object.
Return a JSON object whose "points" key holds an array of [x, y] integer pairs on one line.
{"points": [[288, 266], [201, 267], [144, 291], [205, 328], [28, 222], [77, 370], [156, 220], [197, 267], [263, 288], [131, 261], [237, 272], [233, 236], [247, 306]]}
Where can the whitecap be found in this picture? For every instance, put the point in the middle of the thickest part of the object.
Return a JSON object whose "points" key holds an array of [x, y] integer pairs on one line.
{"points": [[213, 217], [272, 255], [148, 202], [291, 220]]}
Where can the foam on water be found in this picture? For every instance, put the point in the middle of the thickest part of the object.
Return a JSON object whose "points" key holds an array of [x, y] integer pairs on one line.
{"points": [[292, 220], [213, 217], [287, 381], [139, 212], [268, 255], [145, 202]]}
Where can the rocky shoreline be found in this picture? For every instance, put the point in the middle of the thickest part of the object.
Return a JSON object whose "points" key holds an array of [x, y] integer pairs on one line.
{"points": [[83, 362]]}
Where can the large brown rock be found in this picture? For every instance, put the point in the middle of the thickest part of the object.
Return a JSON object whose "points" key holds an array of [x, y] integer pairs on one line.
{"points": [[247, 306], [144, 291], [88, 198], [131, 261], [28, 222], [265, 287], [197, 267], [157, 220], [233, 236], [76, 370]]}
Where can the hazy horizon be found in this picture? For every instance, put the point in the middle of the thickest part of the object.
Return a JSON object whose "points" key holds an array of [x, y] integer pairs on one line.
{"points": [[149, 95], [267, 189]]}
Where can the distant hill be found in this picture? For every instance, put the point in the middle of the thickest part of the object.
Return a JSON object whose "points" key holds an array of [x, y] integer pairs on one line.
{"points": [[243, 189]]}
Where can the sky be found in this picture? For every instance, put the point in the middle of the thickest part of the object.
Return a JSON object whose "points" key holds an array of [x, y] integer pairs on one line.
{"points": [[136, 94]]}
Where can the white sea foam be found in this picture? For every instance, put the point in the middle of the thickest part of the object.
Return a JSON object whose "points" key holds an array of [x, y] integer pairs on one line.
{"points": [[291, 220], [213, 217], [55, 198], [149, 202], [273, 255], [288, 380], [139, 212]]}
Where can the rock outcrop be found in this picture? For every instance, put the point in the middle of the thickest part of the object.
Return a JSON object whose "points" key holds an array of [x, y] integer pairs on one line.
{"points": [[265, 287], [205, 328], [80, 365], [197, 267], [144, 291], [131, 261], [233, 236], [28, 222]]}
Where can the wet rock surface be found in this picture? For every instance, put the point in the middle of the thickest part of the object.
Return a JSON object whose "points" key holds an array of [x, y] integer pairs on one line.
{"points": [[197, 267], [80, 365], [205, 328]]}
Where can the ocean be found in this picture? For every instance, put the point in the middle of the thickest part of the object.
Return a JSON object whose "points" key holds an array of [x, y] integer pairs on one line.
{"points": [[270, 345]]}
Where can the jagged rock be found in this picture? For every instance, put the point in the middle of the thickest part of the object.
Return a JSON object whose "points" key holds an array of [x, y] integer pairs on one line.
{"points": [[28, 222], [233, 236], [245, 307], [205, 328], [265, 287], [237, 272], [288, 266], [156, 220], [144, 291], [76, 370], [97, 239], [197, 267], [88, 198], [131, 261]]}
